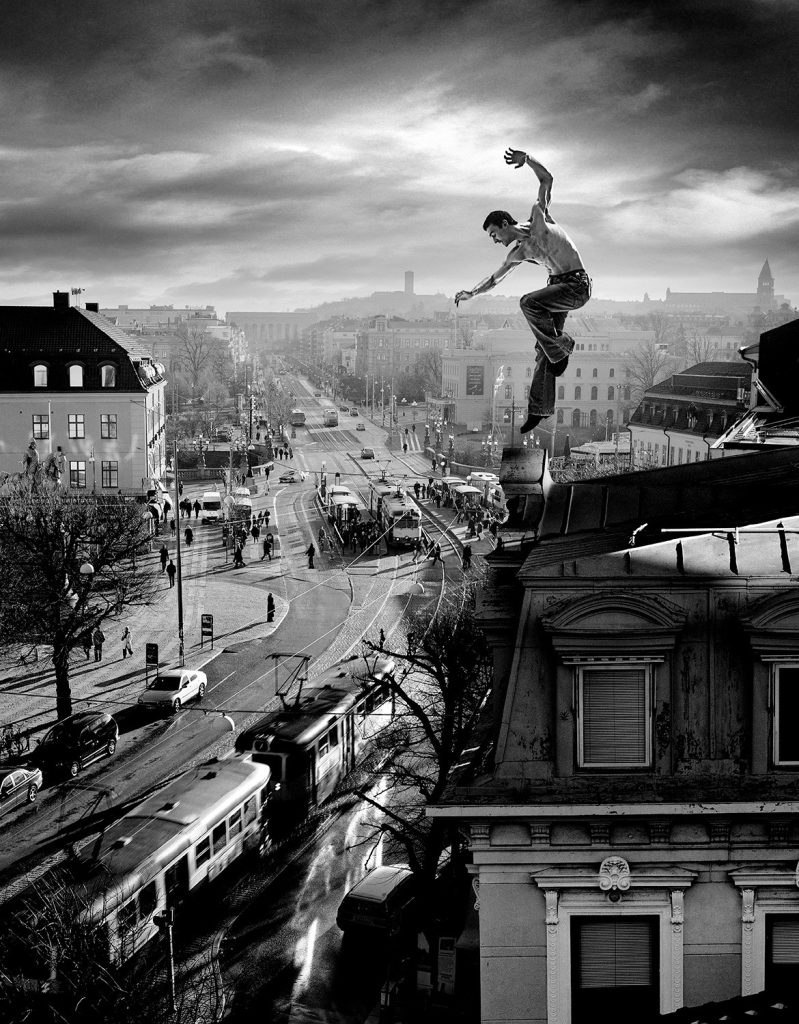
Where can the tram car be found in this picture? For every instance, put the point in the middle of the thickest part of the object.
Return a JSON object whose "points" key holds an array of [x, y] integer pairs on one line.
{"points": [[297, 418], [330, 418], [312, 744], [468, 498], [400, 521], [172, 843], [379, 490], [497, 504], [344, 509]]}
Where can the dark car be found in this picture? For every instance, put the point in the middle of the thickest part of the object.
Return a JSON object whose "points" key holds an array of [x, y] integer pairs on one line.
{"points": [[18, 786], [75, 742]]}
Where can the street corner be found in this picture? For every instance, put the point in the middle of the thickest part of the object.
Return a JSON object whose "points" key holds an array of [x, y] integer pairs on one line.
{"points": [[238, 614]]}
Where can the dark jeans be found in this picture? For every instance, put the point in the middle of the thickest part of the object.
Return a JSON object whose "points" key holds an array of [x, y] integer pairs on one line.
{"points": [[545, 312]]}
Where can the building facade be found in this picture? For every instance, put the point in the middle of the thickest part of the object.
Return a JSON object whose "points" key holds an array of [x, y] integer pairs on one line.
{"points": [[81, 389], [634, 846], [391, 346]]}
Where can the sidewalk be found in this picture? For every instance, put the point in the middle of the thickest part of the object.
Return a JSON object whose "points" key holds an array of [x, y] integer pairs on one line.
{"points": [[236, 599]]}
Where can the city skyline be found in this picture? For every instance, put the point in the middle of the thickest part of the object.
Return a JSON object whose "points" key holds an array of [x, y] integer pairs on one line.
{"points": [[262, 156]]}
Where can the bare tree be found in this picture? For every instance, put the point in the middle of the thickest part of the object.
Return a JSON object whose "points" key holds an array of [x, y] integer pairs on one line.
{"points": [[440, 689], [73, 564], [648, 364], [195, 354]]}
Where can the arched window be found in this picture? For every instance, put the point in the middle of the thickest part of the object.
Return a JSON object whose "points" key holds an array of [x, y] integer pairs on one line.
{"points": [[108, 376], [595, 372], [594, 394], [509, 391], [508, 371], [609, 415], [40, 376], [611, 393], [612, 372], [561, 392], [578, 393], [578, 372], [76, 376], [529, 371], [559, 417], [625, 415], [592, 418], [626, 394], [576, 418]]}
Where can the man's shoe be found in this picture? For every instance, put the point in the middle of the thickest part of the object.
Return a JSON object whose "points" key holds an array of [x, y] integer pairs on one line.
{"points": [[529, 423]]}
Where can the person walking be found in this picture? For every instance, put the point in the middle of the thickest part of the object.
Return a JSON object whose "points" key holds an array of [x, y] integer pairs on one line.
{"points": [[270, 608], [164, 555], [180, 489], [267, 549], [172, 527], [416, 489], [171, 570], [467, 557], [197, 507], [436, 553], [86, 642], [98, 639], [255, 530], [127, 637], [238, 557], [310, 552], [540, 240], [189, 535], [417, 550]]}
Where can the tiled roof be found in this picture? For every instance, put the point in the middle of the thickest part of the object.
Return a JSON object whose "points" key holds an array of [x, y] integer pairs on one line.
{"points": [[762, 1008]]}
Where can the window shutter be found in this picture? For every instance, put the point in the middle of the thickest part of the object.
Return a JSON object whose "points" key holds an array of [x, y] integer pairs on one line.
{"points": [[788, 709], [616, 953], [785, 942], [614, 716]]}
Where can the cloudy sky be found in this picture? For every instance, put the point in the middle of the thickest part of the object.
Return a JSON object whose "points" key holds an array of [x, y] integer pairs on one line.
{"points": [[256, 154]]}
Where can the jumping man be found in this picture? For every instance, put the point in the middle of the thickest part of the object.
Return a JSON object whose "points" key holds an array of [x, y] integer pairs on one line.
{"points": [[540, 240]]}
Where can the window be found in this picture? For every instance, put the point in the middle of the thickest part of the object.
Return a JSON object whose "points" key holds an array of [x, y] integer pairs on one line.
{"points": [[110, 474], [529, 371], [76, 422], [234, 823], [77, 474], [508, 371], [76, 376], [40, 376], [782, 950], [108, 376], [594, 394], [612, 373], [128, 915], [626, 394], [786, 706], [108, 425], [333, 736], [148, 900], [614, 728], [614, 968], [41, 426], [202, 851], [219, 837], [559, 416], [578, 372], [592, 419], [324, 745], [576, 418], [250, 811], [561, 392], [595, 372], [611, 393], [578, 393], [509, 391]]}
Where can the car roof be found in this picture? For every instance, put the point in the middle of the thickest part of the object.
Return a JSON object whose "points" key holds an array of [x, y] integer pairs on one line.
{"points": [[380, 882], [172, 673]]}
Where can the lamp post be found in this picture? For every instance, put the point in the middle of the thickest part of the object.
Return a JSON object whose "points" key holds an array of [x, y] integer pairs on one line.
{"points": [[177, 554]]}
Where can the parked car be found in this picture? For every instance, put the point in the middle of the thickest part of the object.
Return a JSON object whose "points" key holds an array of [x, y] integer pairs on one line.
{"points": [[353, 411], [317, 394], [18, 786], [381, 903], [75, 742], [290, 476], [174, 688], [360, 425], [343, 408], [367, 453]]}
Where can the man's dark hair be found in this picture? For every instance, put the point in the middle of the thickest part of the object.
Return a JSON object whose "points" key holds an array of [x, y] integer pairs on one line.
{"points": [[496, 218]]}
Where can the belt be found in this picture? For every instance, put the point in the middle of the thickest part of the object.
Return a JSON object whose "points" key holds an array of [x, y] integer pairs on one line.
{"points": [[568, 274]]}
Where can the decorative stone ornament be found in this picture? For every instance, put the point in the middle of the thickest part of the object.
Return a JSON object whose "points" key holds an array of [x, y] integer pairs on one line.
{"points": [[614, 874]]}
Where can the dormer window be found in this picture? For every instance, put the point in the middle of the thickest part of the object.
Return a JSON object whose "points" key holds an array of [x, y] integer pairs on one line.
{"points": [[40, 376], [76, 375], [108, 376]]}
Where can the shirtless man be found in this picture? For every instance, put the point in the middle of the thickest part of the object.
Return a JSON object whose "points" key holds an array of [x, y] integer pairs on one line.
{"points": [[568, 287]]}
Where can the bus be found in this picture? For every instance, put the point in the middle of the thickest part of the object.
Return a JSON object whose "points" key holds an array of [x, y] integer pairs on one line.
{"points": [[173, 842], [330, 418], [297, 418]]}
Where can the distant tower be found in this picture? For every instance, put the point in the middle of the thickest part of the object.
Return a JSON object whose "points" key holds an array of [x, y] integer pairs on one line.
{"points": [[765, 283], [409, 282]]}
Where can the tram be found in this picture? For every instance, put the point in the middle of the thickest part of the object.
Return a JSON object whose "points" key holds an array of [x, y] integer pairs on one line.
{"points": [[330, 418], [468, 498], [297, 418], [344, 508], [382, 489], [400, 520], [169, 845], [312, 744]]}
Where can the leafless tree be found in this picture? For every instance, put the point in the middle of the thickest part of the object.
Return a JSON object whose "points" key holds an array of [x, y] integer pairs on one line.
{"points": [[195, 354], [46, 537], [648, 364]]}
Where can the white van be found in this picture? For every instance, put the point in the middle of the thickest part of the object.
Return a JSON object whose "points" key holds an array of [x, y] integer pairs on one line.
{"points": [[382, 902], [211, 503]]}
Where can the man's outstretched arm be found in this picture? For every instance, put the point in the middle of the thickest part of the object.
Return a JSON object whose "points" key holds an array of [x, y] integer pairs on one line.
{"points": [[488, 283], [519, 159]]}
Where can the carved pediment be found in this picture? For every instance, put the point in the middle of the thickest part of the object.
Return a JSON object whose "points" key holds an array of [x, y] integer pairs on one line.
{"points": [[773, 626]]}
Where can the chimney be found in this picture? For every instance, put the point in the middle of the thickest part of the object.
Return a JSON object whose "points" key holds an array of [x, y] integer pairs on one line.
{"points": [[93, 307], [61, 300], [409, 282]]}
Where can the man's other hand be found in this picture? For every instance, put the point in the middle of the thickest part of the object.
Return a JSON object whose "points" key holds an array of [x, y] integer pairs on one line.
{"points": [[460, 296], [517, 157]]}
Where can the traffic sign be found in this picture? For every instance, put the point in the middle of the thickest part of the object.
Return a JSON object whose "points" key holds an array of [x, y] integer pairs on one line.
{"points": [[206, 628], [151, 654]]}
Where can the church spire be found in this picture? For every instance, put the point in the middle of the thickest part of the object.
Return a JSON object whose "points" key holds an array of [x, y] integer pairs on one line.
{"points": [[765, 282]]}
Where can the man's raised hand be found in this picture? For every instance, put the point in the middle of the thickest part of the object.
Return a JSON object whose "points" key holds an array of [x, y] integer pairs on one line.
{"points": [[460, 296], [517, 157]]}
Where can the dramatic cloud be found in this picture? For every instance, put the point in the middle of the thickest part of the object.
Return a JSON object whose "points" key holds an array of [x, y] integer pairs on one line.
{"points": [[275, 155]]}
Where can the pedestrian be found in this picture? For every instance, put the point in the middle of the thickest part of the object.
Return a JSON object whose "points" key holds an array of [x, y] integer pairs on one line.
{"points": [[355, 539], [197, 508], [413, 428], [238, 557], [310, 552], [416, 489], [255, 530], [189, 535], [492, 528], [267, 549], [436, 553], [172, 527], [291, 452], [540, 240], [404, 447], [417, 550], [127, 637], [171, 569], [438, 499], [270, 608], [467, 557], [98, 639], [479, 528], [180, 489], [164, 555], [86, 642]]}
